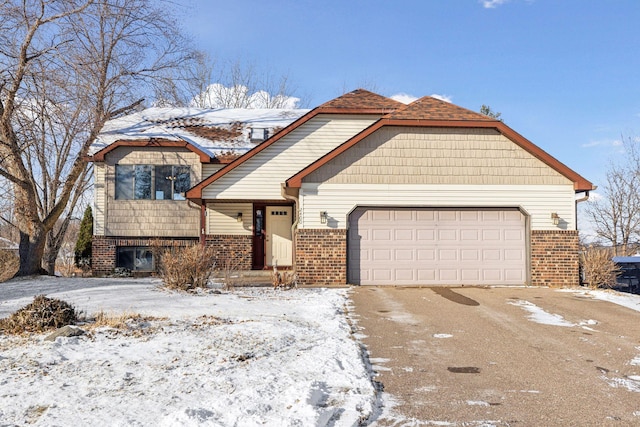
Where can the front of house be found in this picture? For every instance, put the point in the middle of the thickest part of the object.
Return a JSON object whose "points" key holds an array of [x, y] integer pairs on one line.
{"points": [[368, 191]]}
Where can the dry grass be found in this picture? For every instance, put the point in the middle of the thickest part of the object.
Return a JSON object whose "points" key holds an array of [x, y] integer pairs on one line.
{"points": [[187, 268], [9, 263], [285, 279], [40, 315], [598, 268], [128, 323]]}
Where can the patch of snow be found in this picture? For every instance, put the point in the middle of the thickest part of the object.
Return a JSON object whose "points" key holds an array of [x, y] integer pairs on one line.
{"points": [[620, 298], [174, 124], [538, 315], [477, 403], [249, 357], [629, 383], [442, 336]]}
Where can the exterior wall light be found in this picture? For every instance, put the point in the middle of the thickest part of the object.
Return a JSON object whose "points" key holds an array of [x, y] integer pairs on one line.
{"points": [[555, 218], [239, 217], [323, 217]]}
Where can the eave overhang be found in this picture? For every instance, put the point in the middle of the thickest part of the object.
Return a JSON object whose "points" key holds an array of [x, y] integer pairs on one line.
{"points": [[152, 142], [580, 184]]}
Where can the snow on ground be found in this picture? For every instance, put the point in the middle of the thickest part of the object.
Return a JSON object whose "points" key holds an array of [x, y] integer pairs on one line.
{"points": [[248, 357], [538, 315]]}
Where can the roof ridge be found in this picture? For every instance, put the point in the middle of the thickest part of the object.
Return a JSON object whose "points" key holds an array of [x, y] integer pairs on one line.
{"points": [[432, 108]]}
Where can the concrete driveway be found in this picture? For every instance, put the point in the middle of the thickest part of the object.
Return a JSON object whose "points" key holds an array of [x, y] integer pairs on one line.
{"points": [[500, 356]]}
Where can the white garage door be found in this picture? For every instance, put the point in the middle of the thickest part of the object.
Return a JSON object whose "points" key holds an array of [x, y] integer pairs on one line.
{"points": [[422, 246]]}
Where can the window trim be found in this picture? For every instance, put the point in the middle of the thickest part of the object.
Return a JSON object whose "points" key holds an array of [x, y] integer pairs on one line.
{"points": [[132, 173]]}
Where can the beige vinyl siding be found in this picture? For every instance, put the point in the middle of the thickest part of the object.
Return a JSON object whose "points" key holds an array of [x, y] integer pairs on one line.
{"points": [[209, 169], [339, 199], [396, 155], [222, 218], [99, 199], [153, 218], [260, 177]]}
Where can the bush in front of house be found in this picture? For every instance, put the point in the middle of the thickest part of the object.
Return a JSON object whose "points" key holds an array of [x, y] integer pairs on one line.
{"points": [[40, 315], [598, 268], [187, 268]]}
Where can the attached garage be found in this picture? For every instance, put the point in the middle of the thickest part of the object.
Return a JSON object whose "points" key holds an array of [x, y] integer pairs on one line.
{"points": [[437, 246]]}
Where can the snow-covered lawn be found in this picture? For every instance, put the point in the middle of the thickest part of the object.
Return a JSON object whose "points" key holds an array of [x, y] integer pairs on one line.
{"points": [[248, 357]]}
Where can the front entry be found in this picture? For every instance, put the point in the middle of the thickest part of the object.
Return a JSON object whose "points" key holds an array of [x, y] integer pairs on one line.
{"points": [[278, 240], [272, 239]]}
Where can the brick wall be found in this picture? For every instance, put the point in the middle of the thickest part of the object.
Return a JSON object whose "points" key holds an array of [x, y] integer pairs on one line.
{"points": [[554, 258], [103, 255], [232, 249], [321, 256], [103, 252]]}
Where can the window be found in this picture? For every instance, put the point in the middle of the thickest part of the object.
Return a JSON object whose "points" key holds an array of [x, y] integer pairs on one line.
{"points": [[134, 258], [146, 182]]}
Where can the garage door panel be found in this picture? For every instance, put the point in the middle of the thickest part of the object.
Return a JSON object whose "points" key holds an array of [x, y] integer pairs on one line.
{"points": [[470, 275], [437, 246], [426, 254], [447, 234], [404, 255], [469, 255], [448, 275], [404, 234], [404, 275]]}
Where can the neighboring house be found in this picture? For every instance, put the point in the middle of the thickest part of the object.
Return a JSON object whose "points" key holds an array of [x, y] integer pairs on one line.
{"points": [[145, 162], [8, 245], [366, 190]]}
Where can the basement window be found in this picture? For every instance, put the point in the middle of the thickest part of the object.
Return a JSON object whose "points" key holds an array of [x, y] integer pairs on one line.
{"points": [[135, 258]]}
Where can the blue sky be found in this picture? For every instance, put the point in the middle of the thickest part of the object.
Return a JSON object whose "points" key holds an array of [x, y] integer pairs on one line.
{"points": [[564, 74]]}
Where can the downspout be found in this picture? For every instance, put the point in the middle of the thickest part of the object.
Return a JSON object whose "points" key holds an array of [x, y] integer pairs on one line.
{"points": [[294, 226], [580, 200]]}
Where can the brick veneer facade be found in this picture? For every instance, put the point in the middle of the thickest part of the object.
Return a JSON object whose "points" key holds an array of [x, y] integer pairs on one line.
{"points": [[321, 256], [103, 249], [232, 249], [554, 258]]}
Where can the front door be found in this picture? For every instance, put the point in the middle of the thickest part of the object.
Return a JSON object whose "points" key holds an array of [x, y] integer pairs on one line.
{"points": [[258, 237], [278, 240]]}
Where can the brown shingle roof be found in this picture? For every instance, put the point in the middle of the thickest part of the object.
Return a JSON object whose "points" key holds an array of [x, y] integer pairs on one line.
{"points": [[362, 100], [429, 108]]}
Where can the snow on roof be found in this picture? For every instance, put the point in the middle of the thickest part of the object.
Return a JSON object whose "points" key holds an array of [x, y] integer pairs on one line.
{"points": [[215, 131]]}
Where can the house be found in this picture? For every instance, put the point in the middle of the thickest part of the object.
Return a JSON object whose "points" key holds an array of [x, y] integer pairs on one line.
{"points": [[8, 246], [369, 191], [145, 162]]}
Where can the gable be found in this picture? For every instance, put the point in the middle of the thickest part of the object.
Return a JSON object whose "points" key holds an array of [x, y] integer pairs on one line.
{"points": [[436, 155], [260, 175]]}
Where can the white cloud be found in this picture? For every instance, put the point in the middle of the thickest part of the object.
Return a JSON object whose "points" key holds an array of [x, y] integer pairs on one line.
{"points": [[492, 4], [445, 98], [405, 98], [603, 143]]}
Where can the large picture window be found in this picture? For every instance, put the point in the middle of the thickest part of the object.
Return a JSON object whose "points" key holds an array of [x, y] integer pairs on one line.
{"points": [[147, 182]]}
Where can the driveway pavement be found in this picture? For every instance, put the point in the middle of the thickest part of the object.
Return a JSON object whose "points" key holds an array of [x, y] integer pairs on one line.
{"points": [[500, 356]]}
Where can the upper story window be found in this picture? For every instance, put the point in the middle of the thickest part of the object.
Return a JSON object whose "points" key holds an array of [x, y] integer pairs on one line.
{"points": [[147, 182]]}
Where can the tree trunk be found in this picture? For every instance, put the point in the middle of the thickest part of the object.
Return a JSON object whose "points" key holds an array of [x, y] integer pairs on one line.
{"points": [[31, 250]]}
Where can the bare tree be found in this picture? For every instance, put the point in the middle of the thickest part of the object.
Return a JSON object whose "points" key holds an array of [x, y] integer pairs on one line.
{"points": [[239, 84], [66, 67], [615, 213]]}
